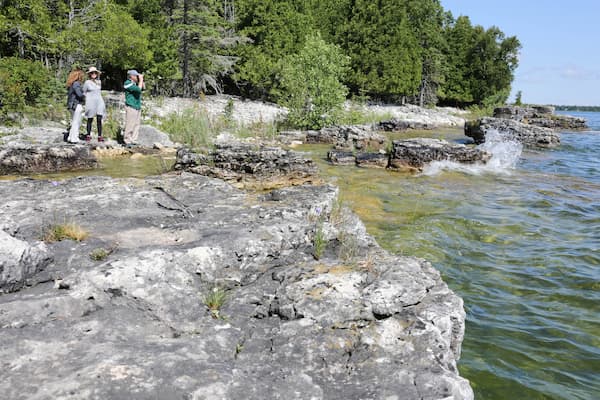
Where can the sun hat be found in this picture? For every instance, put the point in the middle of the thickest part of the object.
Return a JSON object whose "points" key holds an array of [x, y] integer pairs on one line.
{"points": [[93, 69], [132, 72]]}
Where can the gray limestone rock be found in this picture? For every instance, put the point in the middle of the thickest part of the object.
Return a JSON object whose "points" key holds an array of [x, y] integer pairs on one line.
{"points": [[396, 125], [19, 261], [136, 324], [337, 157], [151, 137], [238, 161], [348, 137], [542, 116], [414, 154], [372, 160], [18, 159], [528, 135]]}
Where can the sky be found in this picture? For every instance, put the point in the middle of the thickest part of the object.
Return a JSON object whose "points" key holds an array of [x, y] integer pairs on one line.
{"points": [[559, 61]]}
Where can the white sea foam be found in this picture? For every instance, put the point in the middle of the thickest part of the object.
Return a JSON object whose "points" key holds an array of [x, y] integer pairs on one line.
{"points": [[505, 155]]}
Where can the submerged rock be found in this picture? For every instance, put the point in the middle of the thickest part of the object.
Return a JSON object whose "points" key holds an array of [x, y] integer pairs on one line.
{"points": [[136, 323], [528, 135], [414, 154]]}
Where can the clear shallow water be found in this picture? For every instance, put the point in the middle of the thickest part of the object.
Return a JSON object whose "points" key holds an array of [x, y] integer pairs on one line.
{"points": [[520, 243]]}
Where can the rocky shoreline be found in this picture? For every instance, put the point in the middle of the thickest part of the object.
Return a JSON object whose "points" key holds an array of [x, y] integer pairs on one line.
{"points": [[357, 322], [310, 306]]}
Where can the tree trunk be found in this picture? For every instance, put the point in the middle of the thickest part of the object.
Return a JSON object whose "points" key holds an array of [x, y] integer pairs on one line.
{"points": [[186, 52]]}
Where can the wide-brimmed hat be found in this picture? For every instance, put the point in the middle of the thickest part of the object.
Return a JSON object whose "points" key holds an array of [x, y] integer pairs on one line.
{"points": [[93, 69]]}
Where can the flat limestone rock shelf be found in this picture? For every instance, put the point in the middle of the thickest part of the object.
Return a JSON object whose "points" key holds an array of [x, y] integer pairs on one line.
{"points": [[356, 323]]}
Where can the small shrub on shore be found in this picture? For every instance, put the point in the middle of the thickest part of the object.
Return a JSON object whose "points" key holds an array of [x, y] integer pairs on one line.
{"points": [[214, 300]]}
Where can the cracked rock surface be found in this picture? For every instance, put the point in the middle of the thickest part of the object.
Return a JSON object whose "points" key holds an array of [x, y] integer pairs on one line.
{"points": [[358, 323]]}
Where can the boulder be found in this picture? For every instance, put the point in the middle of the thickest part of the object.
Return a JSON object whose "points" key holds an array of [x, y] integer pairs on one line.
{"points": [[527, 134], [19, 261], [399, 125], [348, 137], [152, 137], [414, 154]]}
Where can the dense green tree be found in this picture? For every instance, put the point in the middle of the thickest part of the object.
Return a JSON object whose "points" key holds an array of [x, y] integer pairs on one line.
{"points": [[275, 29], [426, 20], [311, 83], [398, 49], [385, 59], [481, 64], [206, 38]]}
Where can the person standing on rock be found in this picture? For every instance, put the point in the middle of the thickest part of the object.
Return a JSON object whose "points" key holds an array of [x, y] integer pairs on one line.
{"points": [[75, 100], [94, 104], [133, 106]]}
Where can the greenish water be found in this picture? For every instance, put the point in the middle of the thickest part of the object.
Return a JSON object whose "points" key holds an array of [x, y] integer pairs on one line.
{"points": [[520, 243]]}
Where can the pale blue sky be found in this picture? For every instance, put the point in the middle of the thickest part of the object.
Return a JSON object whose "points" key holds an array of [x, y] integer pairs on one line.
{"points": [[559, 62]]}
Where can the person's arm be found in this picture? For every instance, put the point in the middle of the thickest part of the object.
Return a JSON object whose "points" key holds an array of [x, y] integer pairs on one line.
{"points": [[132, 87], [77, 89]]}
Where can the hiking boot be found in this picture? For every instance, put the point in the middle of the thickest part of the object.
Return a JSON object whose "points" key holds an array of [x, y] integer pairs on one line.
{"points": [[88, 138], [100, 139]]}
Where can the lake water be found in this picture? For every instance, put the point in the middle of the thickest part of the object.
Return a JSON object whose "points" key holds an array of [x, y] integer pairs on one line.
{"points": [[519, 241]]}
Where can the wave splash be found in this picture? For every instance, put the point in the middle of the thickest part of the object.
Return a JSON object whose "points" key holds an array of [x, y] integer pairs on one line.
{"points": [[505, 155]]}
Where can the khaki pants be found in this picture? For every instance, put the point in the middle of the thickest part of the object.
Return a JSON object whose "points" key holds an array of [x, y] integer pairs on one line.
{"points": [[133, 118]]}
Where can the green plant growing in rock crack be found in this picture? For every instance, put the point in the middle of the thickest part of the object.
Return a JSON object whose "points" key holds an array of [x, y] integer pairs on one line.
{"points": [[214, 300], [319, 241], [100, 253]]}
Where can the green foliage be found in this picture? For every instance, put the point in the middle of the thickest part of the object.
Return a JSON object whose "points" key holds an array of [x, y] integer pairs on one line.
{"points": [[23, 83], [384, 52], [407, 50], [275, 29], [311, 84], [481, 64]]}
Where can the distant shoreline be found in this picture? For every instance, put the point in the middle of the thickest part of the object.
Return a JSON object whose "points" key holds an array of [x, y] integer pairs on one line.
{"points": [[577, 108]]}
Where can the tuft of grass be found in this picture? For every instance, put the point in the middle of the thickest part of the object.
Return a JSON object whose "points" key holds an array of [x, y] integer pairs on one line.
{"points": [[348, 250], [319, 242], [192, 127], [214, 300], [357, 114], [101, 253], [58, 232]]}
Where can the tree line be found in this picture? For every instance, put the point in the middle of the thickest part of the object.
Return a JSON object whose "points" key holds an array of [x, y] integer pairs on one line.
{"points": [[392, 50]]}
